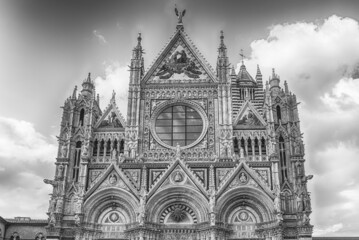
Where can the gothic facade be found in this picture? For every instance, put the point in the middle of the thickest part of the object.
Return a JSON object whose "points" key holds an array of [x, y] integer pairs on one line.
{"points": [[203, 154]]}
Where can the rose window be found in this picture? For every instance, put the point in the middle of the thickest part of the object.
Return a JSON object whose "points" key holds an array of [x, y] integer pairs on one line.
{"points": [[179, 124]]}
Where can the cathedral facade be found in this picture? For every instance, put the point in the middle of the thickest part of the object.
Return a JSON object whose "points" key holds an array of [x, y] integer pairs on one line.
{"points": [[202, 154]]}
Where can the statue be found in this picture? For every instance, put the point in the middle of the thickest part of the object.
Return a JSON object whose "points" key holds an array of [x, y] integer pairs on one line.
{"points": [[59, 205], [306, 219], [299, 169], [213, 219], [52, 220], [277, 207], [178, 177], [63, 151], [299, 203], [242, 178], [306, 202], [77, 203], [112, 179], [122, 158], [52, 205], [113, 154], [179, 14], [60, 171], [241, 153]]}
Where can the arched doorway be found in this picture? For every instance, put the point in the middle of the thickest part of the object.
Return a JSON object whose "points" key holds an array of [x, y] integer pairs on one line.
{"points": [[243, 221], [113, 221]]}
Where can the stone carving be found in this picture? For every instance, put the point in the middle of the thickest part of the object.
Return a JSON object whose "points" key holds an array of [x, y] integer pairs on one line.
{"points": [[178, 177], [121, 158], [212, 201], [179, 63], [180, 14], [60, 171], [248, 118], [57, 185], [241, 153], [59, 205], [77, 220], [114, 154], [112, 179], [243, 178]]}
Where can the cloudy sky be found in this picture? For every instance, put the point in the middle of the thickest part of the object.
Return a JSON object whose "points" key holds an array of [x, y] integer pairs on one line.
{"points": [[48, 47]]}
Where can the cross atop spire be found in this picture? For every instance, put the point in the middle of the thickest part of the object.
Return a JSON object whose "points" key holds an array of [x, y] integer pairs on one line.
{"points": [[242, 55]]}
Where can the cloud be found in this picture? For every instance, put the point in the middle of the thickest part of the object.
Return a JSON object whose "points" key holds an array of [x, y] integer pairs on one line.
{"points": [[318, 59], [116, 79], [99, 37], [330, 229], [311, 56], [26, 157]]}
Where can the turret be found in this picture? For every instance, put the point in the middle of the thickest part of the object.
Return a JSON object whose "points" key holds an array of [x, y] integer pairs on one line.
{"points": [[87, 86], [274, 81]]}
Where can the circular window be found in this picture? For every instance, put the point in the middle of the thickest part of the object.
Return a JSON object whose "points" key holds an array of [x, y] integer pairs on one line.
{"points": [[178, 124]]}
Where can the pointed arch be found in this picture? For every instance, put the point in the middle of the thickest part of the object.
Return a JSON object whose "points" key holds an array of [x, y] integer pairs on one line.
{"points": [[76, 162], [167, 197], [282, 158], [279, 113], [82, 117]]}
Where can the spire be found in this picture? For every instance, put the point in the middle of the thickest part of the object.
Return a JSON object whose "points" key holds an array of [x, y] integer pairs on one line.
{"points": [[222, 60], [74, 93], [137, 51], [259, 73], [180, 15]]}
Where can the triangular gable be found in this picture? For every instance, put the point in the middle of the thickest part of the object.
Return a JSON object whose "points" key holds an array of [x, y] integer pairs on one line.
{"points": [[286, 187], [180, 61], [112, 117], [178, 173], [242, 176], [248, 117], [112, 177]]}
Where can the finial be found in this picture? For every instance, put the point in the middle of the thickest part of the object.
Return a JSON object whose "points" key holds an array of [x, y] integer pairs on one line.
{"points": [[222, 35], [139, 38], [273, 73]]}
